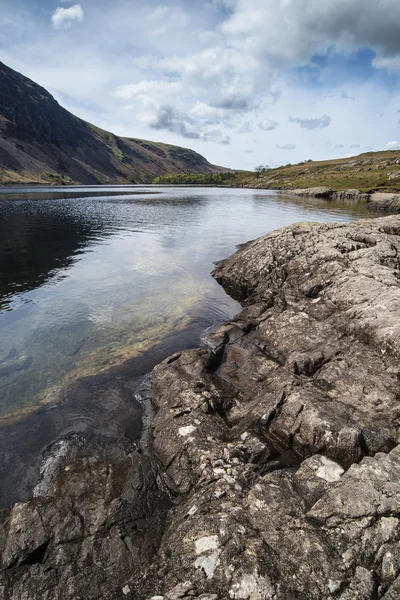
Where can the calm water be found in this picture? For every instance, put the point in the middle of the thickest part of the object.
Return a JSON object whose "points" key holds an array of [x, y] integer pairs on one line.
{"points": [[91, 277]]}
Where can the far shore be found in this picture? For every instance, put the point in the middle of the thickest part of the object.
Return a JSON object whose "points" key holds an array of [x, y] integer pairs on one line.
{"points": [[388, 202]]}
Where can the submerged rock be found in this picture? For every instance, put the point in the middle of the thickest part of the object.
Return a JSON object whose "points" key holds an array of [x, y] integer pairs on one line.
{"points": [[271, 467]]}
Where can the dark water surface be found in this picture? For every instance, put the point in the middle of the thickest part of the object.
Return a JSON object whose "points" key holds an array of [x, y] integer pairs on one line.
{"points": [[93, 277]]}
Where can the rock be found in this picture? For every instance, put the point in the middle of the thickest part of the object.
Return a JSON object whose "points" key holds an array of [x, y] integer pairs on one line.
{"points": [[272, 468], [180, 591], [351, 195], [314, 192], [304, 399], [384, 202], [99, 522]]}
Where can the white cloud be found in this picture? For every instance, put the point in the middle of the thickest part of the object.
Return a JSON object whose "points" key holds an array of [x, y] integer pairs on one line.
{"points": [[222, 77], [149, 89], [210, 114], [235, 68], [215, 136], [276, 96], [289, 31], [319, 123], [355, 146], [390, 63], [217, 69], [248, 151], [245, 127], [63, 17], [268, 124], [168, 18], [170, 119], [392, 145]]}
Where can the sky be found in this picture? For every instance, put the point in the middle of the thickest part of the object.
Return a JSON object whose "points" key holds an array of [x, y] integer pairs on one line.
{"points": [[243, 82]]}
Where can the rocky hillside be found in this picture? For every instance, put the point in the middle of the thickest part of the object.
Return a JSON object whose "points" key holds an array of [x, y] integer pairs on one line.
{"points": [[372, 171], [42, 142], [270, 469]]}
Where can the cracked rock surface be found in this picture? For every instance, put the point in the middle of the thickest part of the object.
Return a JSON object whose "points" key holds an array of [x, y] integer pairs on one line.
{"points": [[272, 464]]}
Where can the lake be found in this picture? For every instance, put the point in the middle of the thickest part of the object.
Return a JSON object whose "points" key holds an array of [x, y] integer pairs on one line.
{"points": [[97, 285]]}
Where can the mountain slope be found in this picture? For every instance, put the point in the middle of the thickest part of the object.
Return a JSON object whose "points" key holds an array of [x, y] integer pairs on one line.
{"points": [[42, 142]]}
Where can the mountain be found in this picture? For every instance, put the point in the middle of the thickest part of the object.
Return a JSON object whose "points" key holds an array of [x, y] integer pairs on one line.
{"points": [[41, 142]]}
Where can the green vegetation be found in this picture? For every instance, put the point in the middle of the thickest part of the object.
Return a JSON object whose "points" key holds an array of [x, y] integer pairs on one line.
{"points": [[228, 179], [372, 171]]}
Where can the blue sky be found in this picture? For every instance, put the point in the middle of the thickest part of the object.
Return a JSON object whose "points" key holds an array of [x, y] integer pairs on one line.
{"points": [[243, 82]]}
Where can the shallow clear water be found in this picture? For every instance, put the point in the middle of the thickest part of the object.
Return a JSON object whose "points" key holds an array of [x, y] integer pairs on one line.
{"points": [[88, 281]]}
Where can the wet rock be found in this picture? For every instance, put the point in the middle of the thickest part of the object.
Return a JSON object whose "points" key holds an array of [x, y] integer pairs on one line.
{"points": [[92, 530]]}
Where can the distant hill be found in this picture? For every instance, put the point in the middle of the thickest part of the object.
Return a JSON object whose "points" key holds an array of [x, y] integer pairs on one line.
{"points": [[372, 171], [42, 142]]}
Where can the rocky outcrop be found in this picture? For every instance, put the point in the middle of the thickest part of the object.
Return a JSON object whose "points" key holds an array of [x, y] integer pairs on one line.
{"points": [[271, 466], [99, 520], [327, 193], [324, 192], [352, 196], [384, 202]]}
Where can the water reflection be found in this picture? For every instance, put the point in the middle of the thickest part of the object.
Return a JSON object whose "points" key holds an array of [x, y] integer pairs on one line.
{"points": [[62, 194], [35, 246], [88, 283]]}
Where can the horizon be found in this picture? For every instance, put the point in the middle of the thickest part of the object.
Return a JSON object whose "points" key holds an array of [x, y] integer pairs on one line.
{"points": [[241, 83]]}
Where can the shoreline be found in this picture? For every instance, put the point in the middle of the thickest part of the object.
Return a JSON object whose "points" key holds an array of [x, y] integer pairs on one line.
{"points": [[60, 413], [386, 202], [270, 466]]}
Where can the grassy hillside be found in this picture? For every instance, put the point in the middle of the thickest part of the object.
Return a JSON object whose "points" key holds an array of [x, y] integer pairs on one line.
{"points": [[371, 171], [41, 142]]}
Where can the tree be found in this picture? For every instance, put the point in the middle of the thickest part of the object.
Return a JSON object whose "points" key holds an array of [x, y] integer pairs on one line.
{"points": [[261, 169]]}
